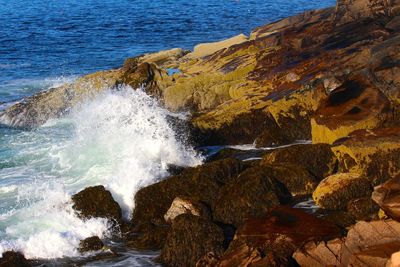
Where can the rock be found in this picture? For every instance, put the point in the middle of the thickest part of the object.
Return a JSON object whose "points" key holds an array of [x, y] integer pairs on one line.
{"points": [[203, 50], [366, 244], [394, 260], [182, 206], [91, 244], [200, 183], [166, 58], [14, 259], [350, 10], [191, 238], [356, 104], [275, 237], [96, 201], [387, 196], [335, 191], [297, 180], [150, 237], [373, 153], [363, 209], [318, 159], [252, 194]]}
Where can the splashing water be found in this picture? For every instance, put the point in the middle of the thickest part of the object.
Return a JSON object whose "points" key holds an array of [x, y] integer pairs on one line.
{"points": [[121, 139]]}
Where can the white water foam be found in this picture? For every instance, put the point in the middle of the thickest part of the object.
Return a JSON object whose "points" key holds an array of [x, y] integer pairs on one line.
{"points": [[121, 139]]}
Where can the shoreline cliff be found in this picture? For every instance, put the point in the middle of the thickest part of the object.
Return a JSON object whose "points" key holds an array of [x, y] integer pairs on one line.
{"points": [[331, 76]]}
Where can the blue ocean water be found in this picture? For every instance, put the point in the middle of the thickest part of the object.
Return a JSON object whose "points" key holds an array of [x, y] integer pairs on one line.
{"points": [[120, 140]]}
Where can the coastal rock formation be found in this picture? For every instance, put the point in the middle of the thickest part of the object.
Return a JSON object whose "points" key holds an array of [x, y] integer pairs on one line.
{"points": [[14, 259], [182, 206], [270, 241], [96, 201], [335, 191], [252, 194], [366, 244], [90, 244], [190, 238], [318, 159], [387, 196], [373, 153]]}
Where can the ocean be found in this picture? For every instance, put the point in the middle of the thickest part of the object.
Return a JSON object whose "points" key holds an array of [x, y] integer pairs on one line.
{"points": [[120, 140]]}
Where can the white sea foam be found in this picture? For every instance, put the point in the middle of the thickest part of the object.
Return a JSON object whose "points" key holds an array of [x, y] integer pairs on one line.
{"points": [[121, 139]]}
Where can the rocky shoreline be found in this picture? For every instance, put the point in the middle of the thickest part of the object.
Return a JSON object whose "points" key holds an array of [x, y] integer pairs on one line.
{"points": [[331, 76]]}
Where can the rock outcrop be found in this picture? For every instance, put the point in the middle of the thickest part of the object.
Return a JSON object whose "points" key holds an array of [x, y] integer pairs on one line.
{"points": [[96, 201], [335, 191], [93, 243], [366, 244], [14, 259]]}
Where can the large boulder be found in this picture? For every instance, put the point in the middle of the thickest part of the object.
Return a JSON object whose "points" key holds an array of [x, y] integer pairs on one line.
{"points": [[96, 201], [366, 244], [190, 238], [318, 159], [373, 153], [252, 194], [387, 196], [199, 183], [335, 191]]}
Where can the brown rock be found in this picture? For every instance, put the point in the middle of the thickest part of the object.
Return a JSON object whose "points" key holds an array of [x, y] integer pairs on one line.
{"points": [[363, 209], [335, 191], [387, 196], [273, 239], [14, 259], [318, 159], [90, 244], [252, 194], [96, 201], [191, 238], [366, 244], [199, 184], [373, 153]]}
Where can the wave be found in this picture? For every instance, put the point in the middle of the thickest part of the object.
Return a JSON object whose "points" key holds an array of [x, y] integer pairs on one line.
{"points": [[121, 139]]}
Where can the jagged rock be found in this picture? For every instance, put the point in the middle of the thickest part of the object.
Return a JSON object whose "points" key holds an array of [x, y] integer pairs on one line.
{"points": [[318, 159], [387, 196], [252, 194], [181, 206], [272, 240], [14, 259], [90, 244], [96, 201], [335, 191], [166, 58], [190, 238], [373, 153], [366, 244]]}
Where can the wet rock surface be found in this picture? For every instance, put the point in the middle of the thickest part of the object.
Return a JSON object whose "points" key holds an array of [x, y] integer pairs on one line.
{"points": [[93, 243], [190, 238], [14, 259], [96, 201]]}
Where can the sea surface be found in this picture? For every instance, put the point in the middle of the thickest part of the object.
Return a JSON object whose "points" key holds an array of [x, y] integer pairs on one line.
{"points": [[121, 139]]}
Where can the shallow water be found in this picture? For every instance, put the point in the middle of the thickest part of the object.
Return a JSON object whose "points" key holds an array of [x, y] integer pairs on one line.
{"points": [[122, 138]]}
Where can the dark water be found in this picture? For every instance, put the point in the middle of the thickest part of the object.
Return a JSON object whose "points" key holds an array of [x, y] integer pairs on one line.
{"points": [[46, 39]]}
